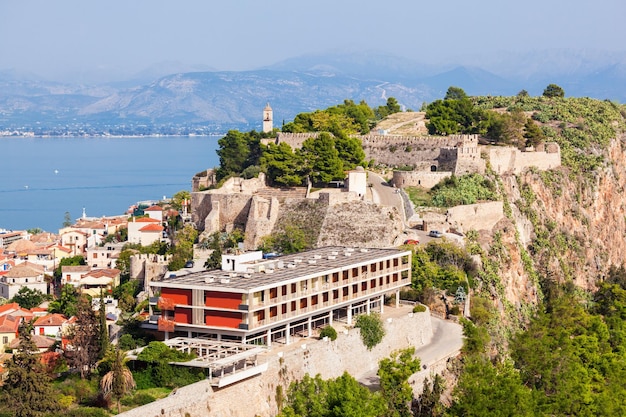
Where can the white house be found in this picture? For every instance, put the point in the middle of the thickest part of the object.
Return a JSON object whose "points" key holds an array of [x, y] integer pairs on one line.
{"points": [[23, 275], [139, 232]]}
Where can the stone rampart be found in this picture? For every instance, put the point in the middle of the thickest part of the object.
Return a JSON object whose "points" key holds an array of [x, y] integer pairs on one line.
{"points": [[261, 220], [203, 181], [513, 161], [481, 216], [257, 396], [425, 179], [233, 208], [148, 267]]}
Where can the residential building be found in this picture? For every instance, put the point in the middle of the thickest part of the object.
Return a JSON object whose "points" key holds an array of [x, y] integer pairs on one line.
{"points": [[256, 300], [50, 325], [144, 231], [72, 274], [9, 236], [75, 240], [155, 212], [99, 281], [104, 256], [23, 275], [8, 330]]}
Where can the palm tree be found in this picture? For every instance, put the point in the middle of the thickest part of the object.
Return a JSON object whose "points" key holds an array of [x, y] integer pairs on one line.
{"points": [[119, 380]]}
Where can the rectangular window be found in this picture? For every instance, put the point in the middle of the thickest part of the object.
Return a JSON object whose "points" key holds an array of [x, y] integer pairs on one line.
{"points": [[95, 255], [5, 340]]}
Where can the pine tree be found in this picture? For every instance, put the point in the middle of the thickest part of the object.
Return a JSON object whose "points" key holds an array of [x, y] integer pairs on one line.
{"points": [[27, 388]]}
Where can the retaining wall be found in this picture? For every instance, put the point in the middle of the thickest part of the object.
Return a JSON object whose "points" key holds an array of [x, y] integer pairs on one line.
{"points": [[257, 396]]}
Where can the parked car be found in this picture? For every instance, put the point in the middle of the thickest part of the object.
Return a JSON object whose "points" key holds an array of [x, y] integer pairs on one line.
{"points": [[189, 264], [411, 242], [435, 233]]}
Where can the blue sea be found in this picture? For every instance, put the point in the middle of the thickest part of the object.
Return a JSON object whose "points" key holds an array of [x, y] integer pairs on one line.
{"points": [[43, 178]]}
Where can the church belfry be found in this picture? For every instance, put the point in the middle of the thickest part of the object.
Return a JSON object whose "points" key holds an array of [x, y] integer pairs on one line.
{"points": [[268, 118]]}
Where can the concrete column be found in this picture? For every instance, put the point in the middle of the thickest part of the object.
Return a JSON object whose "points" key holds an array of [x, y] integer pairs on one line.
{"points": [[243, 339], [367, 306], [189, 333], [382, 304], [167, 335], [219, 337], [397, 298], [350, 315], [269, 338], [309, 327], [330, 318], [287, 334]]}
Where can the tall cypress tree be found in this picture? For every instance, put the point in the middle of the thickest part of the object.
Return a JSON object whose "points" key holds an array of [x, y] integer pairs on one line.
{"points": [[27, 388], [104, 333]]}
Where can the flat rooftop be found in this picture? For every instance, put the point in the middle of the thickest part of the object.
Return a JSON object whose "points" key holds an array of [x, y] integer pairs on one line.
{"points": [[268, 272]]}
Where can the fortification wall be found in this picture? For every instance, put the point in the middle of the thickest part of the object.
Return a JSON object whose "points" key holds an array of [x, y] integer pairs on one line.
{"points": [[203, 182], [481, 216], [257, 396], [261, 220], [512, 160], [360, 223], [425, 179], [233, 208], [295, 140], [148, 267]]}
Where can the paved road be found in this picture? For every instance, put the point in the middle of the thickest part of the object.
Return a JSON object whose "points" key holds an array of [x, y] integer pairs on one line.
{"points": [[384, 194], [447, 339]]}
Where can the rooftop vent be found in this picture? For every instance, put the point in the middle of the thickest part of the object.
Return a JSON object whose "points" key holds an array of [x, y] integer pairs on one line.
{"points": [[225, 280], [349, 249], [364, 250], [347, 253], [331, 257], [312, 261], [334, 253], [269, 271], [281, 265], [291, 266], [209, 280], [297, 261]]}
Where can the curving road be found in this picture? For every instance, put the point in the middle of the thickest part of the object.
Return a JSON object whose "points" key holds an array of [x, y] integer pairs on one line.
{"points": [[447, 340]]}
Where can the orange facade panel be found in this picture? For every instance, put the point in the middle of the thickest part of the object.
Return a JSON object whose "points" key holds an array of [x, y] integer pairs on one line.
{"points": [[178, 296], [222, 299], [182, 315], [222, 319]]}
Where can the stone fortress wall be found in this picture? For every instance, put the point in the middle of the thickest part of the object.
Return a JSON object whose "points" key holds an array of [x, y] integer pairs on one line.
{"points": [[436, 157]]}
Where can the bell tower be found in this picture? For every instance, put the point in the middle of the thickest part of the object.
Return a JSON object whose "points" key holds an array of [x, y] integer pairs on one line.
{"points": [[268, 118]]}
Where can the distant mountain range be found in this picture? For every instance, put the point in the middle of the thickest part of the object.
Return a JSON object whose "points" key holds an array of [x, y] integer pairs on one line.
{"points": [[214, 101]]}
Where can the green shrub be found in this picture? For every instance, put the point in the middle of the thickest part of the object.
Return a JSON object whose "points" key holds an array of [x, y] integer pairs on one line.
{"points": [[419, 308], [455, 311], [372, 330], [139, 399], [85, 412], [330, 332]]}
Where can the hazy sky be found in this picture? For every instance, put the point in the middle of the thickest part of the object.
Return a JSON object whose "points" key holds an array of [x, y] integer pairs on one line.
{"points": [[52, 38]]}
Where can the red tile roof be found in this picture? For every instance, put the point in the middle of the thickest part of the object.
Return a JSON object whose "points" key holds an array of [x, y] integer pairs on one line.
{"points": [[9, 323], [152, 228], [153, 208], [146, 220], [54, 319]]}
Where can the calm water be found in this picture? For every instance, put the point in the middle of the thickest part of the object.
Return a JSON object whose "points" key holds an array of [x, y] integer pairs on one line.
{"points": [[42, 178]]}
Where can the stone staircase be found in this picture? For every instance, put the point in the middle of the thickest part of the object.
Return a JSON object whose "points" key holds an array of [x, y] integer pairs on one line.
{"points": [[281, 193]]}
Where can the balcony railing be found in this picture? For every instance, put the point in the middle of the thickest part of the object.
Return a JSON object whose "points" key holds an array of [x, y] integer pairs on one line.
{"points": [[165, 303], [165, 325]]}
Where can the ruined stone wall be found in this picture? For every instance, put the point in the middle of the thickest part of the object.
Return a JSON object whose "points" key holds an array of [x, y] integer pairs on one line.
{"points": [[233, 207], [425, 179], [481, 216], [257, 396], [148, 267], [203, 182], [361, 224], [261, 220], [512, 160], [295, 140]]}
